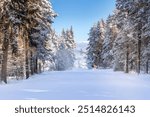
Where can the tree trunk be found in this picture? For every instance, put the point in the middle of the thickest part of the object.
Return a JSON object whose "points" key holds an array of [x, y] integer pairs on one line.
{"points": [[127, 60], [31, 63], [24, 61], [27, 59], [147, 65], [138, 56], [36, 65], [40, 68], [4, 61]]}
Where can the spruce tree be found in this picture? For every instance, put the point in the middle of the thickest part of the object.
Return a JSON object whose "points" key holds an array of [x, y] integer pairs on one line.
{"points": [[25, 26], [111, 32], [94, 49]]}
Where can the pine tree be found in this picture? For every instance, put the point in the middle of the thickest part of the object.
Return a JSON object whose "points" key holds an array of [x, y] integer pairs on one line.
{"points": [[68, 38], [96, 37], [10, 21], [52, 47], [137, 17], [42, 16], [146, 35], [65, 54], [25, 26], [111, 32]]}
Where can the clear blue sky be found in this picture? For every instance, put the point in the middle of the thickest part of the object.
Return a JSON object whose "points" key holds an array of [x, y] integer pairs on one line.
{"points": [[81, 14]]}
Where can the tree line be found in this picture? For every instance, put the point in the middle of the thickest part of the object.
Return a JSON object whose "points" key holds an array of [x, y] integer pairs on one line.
{"points": [[28, 43], [122, 42]]}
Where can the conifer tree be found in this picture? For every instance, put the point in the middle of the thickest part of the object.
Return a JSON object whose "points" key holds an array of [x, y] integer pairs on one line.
{"points": [[65, 55], [96, 38], [25, 26], [111, 32]]}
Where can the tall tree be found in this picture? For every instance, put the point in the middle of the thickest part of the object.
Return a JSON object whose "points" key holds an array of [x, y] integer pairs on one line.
{"points": [[10, 22], [111, 32], [96, 38], [29, 22], [146, 35]]}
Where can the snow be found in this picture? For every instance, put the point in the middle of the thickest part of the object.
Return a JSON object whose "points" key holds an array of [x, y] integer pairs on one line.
{"points": [[81, 55], [79, 85]]}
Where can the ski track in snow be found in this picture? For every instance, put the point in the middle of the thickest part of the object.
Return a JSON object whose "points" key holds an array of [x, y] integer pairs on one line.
{"points": [[79, 85]]}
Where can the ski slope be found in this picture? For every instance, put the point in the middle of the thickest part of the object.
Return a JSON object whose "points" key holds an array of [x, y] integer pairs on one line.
{"points": [[79, 85]]}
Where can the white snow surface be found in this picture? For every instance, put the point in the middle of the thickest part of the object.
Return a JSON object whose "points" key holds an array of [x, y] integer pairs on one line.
{"points": [[79, 85]]}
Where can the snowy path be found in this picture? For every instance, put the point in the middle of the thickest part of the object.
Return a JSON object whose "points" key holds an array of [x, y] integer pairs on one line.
{"points": [[79, 84]]}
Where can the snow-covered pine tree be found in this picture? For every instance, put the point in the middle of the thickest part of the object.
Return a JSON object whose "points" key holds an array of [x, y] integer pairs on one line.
{"points": [[134, 18], [121, 43], [42, 15], [137, 15], [52, 46], [94, 49], [111, 32], [91, 44], [25, 25], [65, 55], [146, 35], [10, 22], [70, 43], [125, 43], [68, 38], [135, 10]]}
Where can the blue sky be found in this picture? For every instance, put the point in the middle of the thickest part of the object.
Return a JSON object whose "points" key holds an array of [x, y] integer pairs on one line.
{"points": [[81, 14]]}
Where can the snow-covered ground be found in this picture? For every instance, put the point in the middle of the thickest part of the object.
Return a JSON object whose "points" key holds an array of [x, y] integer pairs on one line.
{"points": [[79, 85]]}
